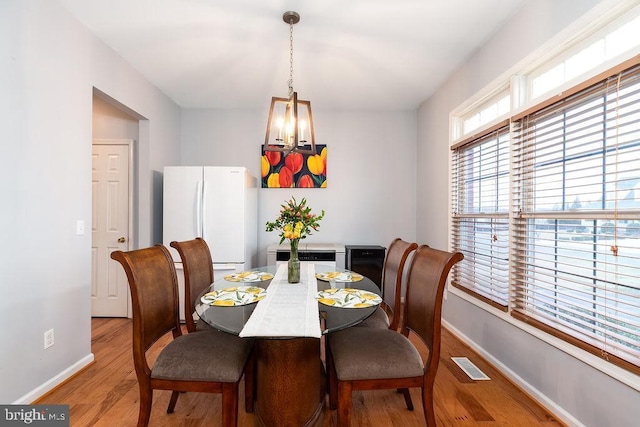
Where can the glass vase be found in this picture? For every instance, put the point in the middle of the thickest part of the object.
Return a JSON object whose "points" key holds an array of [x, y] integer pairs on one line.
{"points": [[293, 275]]}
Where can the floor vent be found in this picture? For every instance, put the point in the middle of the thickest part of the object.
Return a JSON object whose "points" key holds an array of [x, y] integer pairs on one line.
{"points": [[470, 369]]}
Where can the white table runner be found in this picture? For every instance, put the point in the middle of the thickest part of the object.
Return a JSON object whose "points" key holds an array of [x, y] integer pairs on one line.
{"points": [[289, 309]]}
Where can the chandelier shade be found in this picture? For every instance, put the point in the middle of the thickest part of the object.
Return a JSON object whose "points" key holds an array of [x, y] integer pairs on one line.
{"points": [[290, 124]]}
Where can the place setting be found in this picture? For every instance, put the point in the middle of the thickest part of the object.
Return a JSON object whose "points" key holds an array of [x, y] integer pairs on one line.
{"points": [[249, 276], [234, 296], [348, 298], [340, 276]]}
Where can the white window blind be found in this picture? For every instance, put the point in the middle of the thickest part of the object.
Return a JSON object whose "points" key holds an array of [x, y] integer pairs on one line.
{"points": [[575, 230], [480, 215]]}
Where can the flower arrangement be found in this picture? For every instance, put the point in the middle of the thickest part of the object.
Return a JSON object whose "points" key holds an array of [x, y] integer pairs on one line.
{"points": [[295, 221]]}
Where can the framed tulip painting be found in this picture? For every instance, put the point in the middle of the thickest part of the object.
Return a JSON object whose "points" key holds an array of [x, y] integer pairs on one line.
{"points": [[294, 170]]}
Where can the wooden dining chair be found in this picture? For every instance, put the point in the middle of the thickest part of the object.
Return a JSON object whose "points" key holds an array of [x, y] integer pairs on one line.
{"points": [[200, 362], [387, 316], [375, 358], [197, 266]]}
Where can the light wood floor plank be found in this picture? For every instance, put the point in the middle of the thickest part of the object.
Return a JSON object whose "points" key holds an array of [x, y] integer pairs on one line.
{"points": [[106, 394]]}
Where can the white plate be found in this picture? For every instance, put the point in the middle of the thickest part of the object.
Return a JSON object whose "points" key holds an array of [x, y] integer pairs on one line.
{"points": [[340, 276], [237, 295], [248, 276], [348, 298]]}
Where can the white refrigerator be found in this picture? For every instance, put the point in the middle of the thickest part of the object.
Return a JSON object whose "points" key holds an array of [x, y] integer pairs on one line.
{"points": [[218, 204]]}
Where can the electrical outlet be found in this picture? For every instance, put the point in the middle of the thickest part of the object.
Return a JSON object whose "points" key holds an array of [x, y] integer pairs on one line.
{"points": [[48, 338]]}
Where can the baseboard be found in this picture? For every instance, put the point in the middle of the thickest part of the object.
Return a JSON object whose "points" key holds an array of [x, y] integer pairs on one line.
{"points": [[54, 382], [533, 392]]}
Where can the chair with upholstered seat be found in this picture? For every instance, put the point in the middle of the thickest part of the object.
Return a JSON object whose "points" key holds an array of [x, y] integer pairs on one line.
{"points": [[387, 316], [375, 358], [197, 266], [200, 362]]}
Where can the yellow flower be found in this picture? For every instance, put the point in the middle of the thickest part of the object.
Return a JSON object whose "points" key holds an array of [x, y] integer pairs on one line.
{"points": [[315, 164], [265, 166], [296, 221], [274, 180]]}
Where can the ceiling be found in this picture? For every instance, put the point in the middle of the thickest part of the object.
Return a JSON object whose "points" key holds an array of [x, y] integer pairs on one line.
{"points": [[348, 55]]}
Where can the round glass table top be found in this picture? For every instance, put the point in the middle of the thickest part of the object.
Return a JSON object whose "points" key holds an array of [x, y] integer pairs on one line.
{"points": [[239, 293]]}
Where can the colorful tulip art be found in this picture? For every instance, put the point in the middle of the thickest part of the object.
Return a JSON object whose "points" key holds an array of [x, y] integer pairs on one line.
{"points": [[294, 170]]}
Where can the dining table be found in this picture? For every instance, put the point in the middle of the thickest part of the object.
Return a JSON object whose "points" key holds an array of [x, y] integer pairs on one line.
{"points": [[288, 322]]}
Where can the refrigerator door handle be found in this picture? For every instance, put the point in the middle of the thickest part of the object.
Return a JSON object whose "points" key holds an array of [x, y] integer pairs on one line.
{"points": [[226, 269], [204, 209], [199, 209]]}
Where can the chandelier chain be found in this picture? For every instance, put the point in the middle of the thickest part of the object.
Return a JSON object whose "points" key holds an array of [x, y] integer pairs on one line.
{"points": [[290, 58]]}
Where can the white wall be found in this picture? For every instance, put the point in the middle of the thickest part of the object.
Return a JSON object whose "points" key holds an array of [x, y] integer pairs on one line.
{"points": [[371, 170], [572, 389], [49, 66]]}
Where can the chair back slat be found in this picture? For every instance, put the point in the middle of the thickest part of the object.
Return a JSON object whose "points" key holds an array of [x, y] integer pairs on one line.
{"points": [[197, 265], [392, 274], [425, 288], [154, 294]]}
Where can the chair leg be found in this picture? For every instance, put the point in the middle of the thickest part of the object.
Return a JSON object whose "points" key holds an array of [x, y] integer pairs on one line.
{"points": [[407, 398], [428, 406], [230, 404], [332, 379], [146, 398], [249, 383], [173, 401], [344, 404]]}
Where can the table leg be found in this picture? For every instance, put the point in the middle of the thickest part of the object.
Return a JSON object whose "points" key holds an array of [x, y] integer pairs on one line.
{"points": [[290, 384]]}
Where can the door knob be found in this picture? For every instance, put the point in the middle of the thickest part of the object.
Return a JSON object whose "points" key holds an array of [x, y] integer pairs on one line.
{"points": [[122, 240]]}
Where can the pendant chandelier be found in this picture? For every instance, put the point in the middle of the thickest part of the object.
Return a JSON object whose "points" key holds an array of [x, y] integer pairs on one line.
{"points": [[290, 125]]}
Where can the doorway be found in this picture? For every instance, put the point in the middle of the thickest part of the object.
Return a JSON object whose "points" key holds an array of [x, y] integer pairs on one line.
{"points": [[110, 225], [115, 133]]}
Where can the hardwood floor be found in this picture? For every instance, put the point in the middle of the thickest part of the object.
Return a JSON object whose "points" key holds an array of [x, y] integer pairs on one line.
{"points": [[106, 394]]}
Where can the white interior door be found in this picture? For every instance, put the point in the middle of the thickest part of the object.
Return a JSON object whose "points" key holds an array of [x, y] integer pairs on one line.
{"points": [[109, 229]]}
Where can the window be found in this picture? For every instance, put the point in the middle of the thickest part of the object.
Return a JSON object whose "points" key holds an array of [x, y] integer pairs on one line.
{"points": [[498, 106], [546, 191], [613, 43], [576, 217], [481, 216]]}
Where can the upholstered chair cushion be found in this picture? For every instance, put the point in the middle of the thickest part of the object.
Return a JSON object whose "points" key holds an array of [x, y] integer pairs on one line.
{"points": [[378, 319], [205, 356], [363, 353]]}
